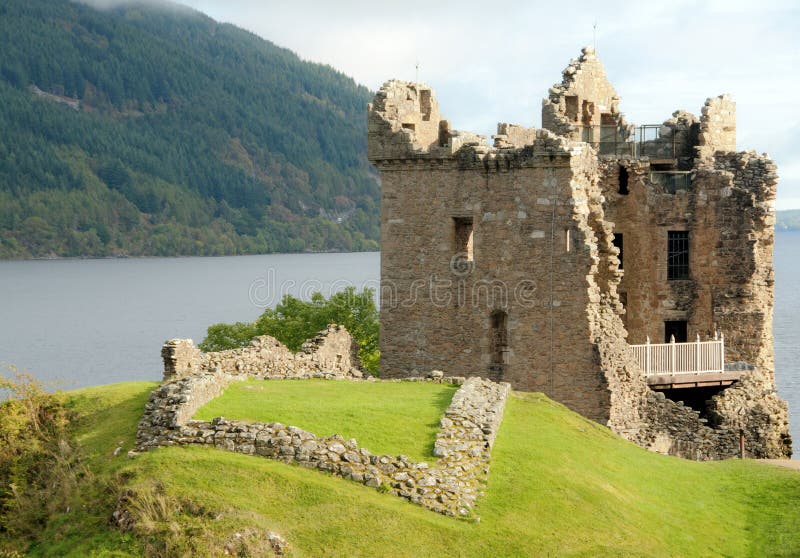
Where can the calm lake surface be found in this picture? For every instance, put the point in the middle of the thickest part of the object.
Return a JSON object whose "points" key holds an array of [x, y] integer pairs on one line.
{"points": [[89, 322]]}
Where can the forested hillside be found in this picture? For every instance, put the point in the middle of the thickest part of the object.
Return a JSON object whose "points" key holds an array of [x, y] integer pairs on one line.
{"points": [[150, 130], [788, 220]]}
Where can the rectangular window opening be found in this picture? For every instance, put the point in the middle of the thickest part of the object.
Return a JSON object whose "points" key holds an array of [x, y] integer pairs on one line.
{"points": [[675, 329], [499, 344], [623, 180], [425, 104], [572, 107], [463, 238], [677, 255], [567, 242], [618, 244]]}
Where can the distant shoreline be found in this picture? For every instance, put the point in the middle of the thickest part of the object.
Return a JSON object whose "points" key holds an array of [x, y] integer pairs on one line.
{"points": [[78, 258]]}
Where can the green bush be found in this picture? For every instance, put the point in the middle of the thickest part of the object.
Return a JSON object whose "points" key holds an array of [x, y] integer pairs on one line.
{"points": [[41, 472], [293, 321]]}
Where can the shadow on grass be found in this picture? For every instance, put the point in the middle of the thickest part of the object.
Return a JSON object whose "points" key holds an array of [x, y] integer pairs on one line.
{"points": [[442, 402], [107, 417]]}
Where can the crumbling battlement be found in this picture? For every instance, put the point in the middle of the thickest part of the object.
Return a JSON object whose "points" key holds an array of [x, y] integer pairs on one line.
{"points": [[583, 102], [332, 352], [536, 260], [717, 127]]}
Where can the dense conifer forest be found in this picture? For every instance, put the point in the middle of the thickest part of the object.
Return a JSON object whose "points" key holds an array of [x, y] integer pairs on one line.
{"points": [[154, 130]]}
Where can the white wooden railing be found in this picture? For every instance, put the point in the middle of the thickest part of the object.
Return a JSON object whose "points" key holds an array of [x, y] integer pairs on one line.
{"points": [[699, 357]]}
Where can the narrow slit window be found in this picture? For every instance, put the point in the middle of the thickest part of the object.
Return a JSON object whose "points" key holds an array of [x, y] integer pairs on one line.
{"points": [[623, 180], [425, 104], [677, 255], [618, 243], [567, 240], [572, 107], [462, 243], [499, 341]]}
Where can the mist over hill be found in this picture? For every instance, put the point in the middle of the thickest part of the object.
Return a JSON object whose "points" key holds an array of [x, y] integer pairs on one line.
{"points": [[150, 129]]}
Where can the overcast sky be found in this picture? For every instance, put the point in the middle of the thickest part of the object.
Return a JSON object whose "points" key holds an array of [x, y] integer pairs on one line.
{"points": [[494, 61]]}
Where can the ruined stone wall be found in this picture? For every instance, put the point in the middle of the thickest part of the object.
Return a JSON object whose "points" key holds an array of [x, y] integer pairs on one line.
{"points": [[575, 108], [413, 121], [332, 351], [644, 217], [532, 252], [451, 485], [717, 128], [543, 212], [728, 210]]}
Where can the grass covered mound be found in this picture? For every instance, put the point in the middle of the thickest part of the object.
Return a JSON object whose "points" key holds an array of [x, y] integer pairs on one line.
{"points": [[385, 417], [559, 485]]}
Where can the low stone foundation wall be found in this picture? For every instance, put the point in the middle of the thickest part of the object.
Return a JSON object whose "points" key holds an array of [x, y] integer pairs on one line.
{"points": [[450, 486]]}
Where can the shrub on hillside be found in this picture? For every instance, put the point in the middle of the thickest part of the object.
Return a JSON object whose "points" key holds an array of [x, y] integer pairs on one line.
{"points": [[40, 469], [293, 321]]}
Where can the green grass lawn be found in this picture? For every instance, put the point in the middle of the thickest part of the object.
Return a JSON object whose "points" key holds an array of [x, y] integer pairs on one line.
{"points": [[559, 485], [393, 418]]}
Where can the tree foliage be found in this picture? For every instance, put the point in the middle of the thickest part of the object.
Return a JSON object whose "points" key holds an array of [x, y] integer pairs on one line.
{"points": [[293, 321], [192, 137]]}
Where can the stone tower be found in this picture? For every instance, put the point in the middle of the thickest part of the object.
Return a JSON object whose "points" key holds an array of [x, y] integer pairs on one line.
{"points": [[539, 258]]}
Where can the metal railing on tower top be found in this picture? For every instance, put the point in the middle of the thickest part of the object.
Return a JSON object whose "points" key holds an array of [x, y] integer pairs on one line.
{"points": [[636, 141]]}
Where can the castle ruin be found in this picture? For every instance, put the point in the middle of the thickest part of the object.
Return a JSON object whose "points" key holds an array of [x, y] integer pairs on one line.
{"points": [[594, 260]]}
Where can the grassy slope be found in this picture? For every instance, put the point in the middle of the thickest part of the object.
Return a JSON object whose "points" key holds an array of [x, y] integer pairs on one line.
{"points": [[559, 486], [392, 418]]}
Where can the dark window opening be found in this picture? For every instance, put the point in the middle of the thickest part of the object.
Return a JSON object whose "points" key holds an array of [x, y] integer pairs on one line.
{"points": [[499, 343], [661, 167], [463, 236], [588, 113], [410, 127], [623, 180], [618, 243], [462, 244], [676, 329], [677, 255], [425, 104], [571, 107], [698, 398], [444, 133]]}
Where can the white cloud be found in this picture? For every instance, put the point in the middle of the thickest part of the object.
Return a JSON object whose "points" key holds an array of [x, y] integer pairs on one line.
{"points": [[495, 62]]}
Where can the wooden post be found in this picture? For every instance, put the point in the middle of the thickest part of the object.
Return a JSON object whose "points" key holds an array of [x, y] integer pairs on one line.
{"points": [[672, 353], [697, 357], [741, 444]]}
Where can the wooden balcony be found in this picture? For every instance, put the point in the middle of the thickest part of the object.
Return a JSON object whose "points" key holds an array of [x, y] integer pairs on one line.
{"points": [[684, 365]]}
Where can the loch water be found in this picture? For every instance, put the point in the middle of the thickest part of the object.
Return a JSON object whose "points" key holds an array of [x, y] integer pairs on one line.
{"points": [[77, 323]]}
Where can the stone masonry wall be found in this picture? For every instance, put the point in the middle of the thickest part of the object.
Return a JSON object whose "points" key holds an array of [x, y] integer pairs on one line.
{"points": [[450, 486], [717, 127], [532, 255], [584, 101], [541, 301], [331, 352], [729, 212]]}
